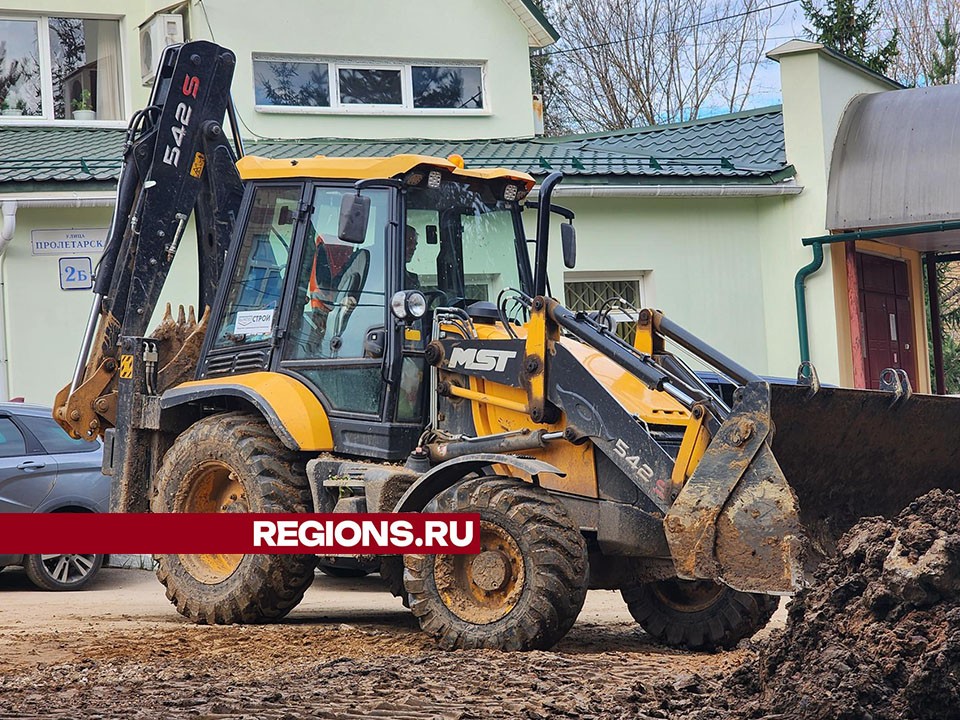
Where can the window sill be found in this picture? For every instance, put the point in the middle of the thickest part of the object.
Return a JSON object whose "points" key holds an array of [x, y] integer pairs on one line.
{"points": [[22, 121], [375, 111]]}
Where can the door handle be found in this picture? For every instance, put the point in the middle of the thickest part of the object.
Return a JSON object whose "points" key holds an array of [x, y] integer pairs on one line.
{"points": [[31, 465]]}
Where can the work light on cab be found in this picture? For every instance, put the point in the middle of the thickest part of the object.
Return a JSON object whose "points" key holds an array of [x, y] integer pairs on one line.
{"points": [[408, 304]]}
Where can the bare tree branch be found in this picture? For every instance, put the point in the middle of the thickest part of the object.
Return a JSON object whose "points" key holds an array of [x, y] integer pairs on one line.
{"points": [[917, 22], [641, 62]]}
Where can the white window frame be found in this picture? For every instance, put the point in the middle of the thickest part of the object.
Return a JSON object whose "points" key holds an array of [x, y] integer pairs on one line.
{"points": [[42, 22], [334, 64], [405, 92]]}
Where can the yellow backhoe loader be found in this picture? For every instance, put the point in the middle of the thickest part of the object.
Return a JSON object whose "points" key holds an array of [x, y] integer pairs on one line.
{"points": [[334, 368]]}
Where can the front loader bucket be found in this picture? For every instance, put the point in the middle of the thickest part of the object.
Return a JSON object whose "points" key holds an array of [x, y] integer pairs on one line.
{"points": [[736, 520], [764, 508], [849, 454]]}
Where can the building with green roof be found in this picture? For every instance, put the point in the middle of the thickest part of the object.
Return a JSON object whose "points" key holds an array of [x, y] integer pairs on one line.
{"points": [[702, 219]]}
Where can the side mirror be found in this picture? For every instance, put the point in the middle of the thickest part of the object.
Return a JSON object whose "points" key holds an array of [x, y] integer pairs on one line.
{"points": [[432, 236], [568, 241], [354, 216]]}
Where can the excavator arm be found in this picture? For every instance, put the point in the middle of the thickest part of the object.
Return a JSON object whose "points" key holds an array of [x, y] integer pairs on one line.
{"points": [[176, 161]]}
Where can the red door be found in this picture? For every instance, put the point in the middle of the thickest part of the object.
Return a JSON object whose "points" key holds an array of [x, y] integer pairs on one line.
{"points": [[887, 317]]}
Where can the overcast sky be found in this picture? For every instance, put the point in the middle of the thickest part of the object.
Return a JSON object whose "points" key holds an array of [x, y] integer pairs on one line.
{"points": [[766, 89]]}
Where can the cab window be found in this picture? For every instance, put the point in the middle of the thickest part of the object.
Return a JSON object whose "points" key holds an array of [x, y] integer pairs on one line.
{"points": [[467, 246], [253, 299], [337, 320]]}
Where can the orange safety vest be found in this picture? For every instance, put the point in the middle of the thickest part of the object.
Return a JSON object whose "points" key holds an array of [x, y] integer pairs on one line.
{"points": [[321, 297]]}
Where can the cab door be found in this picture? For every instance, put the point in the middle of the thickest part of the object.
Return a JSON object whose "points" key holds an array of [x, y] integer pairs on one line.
{"points": [[335, 338]]}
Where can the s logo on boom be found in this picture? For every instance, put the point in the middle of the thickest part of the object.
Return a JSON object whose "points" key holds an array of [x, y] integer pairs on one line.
{"points": [[474, 359]]}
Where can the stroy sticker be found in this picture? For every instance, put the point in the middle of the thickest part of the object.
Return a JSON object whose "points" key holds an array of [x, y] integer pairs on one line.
{"points": [[254, 322]]}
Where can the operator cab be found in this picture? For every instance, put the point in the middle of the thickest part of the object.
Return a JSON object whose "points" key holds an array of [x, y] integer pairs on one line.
{"points": [[303, 302]]}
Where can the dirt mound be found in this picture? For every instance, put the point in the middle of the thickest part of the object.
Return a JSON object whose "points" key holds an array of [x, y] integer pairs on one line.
{"points": [[877, 636]]}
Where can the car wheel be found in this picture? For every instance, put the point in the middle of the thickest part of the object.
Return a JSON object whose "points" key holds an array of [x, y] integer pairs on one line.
{"points": [[697, 615], [62, 572]]}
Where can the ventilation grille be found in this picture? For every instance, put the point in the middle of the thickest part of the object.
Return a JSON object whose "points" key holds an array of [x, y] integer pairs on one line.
{"points": [[235, 363]]}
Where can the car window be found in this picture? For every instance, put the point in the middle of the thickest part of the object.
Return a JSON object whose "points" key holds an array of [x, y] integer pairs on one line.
{"points": [[52, 436], [11, 439]]}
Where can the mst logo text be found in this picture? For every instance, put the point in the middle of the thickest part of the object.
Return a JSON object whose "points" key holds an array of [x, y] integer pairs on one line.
{"points": [[480, 359]]}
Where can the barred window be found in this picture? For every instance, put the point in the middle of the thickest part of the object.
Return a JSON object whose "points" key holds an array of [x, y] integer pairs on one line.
{"points": [[591, 295]]}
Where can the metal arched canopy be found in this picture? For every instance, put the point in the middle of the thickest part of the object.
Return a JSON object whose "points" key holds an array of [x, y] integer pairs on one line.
{"points": [[896, 163]]}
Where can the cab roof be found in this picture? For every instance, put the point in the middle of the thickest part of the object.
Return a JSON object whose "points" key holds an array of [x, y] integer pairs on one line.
{"points": [[253, 167]]}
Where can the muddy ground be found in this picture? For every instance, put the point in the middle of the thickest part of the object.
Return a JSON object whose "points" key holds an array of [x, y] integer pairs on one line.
{"points": [[348, 651]]}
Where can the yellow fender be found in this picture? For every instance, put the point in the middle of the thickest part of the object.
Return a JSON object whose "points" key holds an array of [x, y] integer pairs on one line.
{"points": [[292, 410]]}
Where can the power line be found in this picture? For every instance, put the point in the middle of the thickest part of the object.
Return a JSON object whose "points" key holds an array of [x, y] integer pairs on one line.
{"points": [[237, 112], [663, 32]]}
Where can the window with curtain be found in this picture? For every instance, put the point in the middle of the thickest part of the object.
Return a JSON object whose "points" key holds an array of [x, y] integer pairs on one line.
{"points": [[60, 68]]}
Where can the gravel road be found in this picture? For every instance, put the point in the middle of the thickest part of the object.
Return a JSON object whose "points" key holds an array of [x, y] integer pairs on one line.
{"points": [[350, 650]]}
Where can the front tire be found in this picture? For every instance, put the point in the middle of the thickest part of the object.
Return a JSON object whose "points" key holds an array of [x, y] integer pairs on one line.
{"points": [[697, 615], [525, 588], [232, 463]]}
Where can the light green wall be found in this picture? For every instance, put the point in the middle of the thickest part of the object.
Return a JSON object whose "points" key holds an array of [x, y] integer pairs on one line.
{"points": [[816, 90], [475, 30], [699, 258], [485, 31], [44, 324]]}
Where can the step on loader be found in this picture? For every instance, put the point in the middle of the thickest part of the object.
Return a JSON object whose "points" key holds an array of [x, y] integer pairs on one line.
{"points": [[375, 335]]}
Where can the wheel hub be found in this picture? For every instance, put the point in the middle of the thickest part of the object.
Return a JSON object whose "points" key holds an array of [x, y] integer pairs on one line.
{"points": [[482, 588], [491, 570], [212, 486]]}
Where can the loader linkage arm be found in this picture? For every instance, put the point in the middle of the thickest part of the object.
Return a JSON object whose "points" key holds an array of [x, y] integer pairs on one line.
{"points": [[176, 161], [726, 510], [735, 518]]}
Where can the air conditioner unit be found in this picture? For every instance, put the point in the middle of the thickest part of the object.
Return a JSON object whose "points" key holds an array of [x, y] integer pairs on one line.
{"points": [[155, 34]]}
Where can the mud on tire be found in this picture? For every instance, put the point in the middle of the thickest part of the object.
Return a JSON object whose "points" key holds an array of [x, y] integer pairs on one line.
{"points": [[697, 615], [232, 463], [526, 587]]}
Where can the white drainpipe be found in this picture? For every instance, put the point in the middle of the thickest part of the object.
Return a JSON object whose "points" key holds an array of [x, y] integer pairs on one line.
{"points": [[8, 206], [9, 210]]}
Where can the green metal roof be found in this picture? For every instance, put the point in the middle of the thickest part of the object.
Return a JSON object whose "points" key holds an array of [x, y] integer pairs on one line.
{"points": [[59, 154], [745, 147]]}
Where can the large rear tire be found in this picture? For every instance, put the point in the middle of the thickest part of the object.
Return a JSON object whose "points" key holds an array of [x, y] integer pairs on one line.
{"points": [[525, 588], [232, 463], [697, 615]]}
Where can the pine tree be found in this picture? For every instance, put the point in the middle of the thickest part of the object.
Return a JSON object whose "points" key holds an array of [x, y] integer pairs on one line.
{"points": [[847, 28], [943, 67]]}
